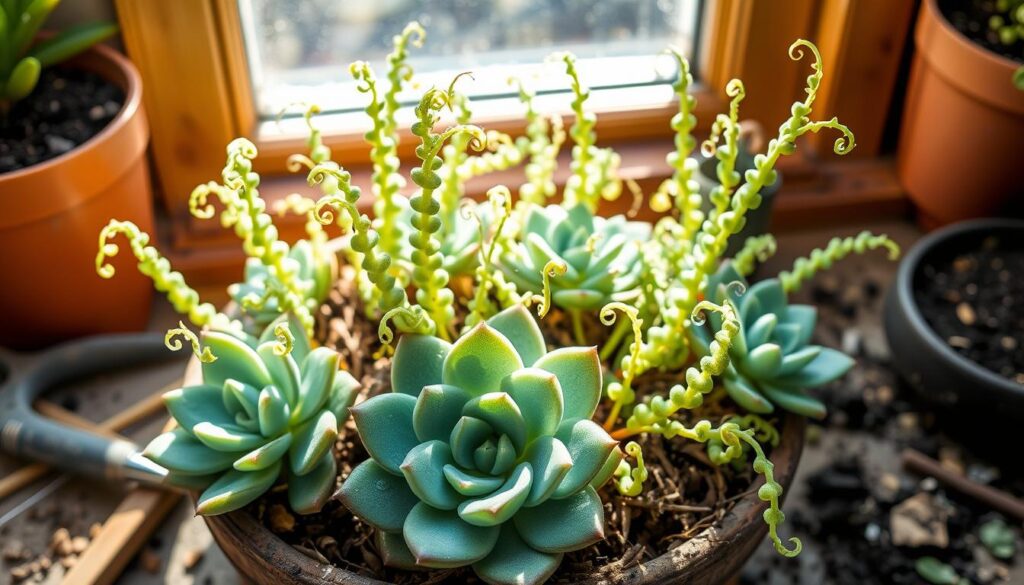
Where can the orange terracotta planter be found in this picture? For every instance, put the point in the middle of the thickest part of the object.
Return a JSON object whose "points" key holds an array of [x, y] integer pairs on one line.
{"points": [[51, 215], [962, 139]]}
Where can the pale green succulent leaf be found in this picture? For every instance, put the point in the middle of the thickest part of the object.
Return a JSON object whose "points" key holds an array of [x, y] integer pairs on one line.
{"points": [[805, 316], [763, 362], [284, 371], [274, 412], [770, 295], [798, 360], [229, 438], [550, 461], [504, 456], [760, 332], [183, 454], [794, 400], [748, 397], [498, 410], [600, 281], [394, 552], [22, 79], [378, 496], [521, 329], [787, 336], [438, 409], [195, 483], [579, 299], [308, 493], [471, 484], [829, 365], [418, 362], [385, 427], [235, 360], [539, 397], [312, 440], [423, 469], [343, 394], [558, 526], [241, 398], [300, 341], [609, 251], [513, 562], [540, 253], [265, 455], [608, 469], [318, 372], [192, 405], [236, 489], [578, 370], [498, 507], [468, 434], [479, 360], [589, 446], [439, 539]]}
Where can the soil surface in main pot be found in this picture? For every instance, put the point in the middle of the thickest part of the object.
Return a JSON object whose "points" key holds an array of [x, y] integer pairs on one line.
{"points": [[862, 516], [975, 302], [67, 108], [684, 494], [971, 17]]}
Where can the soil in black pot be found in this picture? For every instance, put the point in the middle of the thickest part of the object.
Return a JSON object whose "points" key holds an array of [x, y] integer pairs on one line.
{"points": [[975, 301], [971, 18], [67, 108], [684, 494]]}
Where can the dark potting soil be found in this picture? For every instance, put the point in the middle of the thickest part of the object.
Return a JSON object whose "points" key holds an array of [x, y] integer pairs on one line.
{"points": [[975, 301], [971, 17], [684, 494], [67, 108]]}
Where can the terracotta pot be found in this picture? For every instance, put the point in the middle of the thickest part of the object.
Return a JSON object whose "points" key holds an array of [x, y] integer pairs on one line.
{"points": [[963, 126], [51, 215], [712, 557]]}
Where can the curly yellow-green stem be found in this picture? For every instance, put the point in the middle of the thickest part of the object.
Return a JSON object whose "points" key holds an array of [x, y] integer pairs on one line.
{"points": [[653, 414], [544, 139], [629, 481], [621, 393], [386, 179], [429, 275], [755, 249], [727, 127], [579, 189], [183, 298], [837, 249], [454, 155], [173, 342], [399, 73], [480, 307]]}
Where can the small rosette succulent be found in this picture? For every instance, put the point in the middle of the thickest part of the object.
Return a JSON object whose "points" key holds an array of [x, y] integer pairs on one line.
{"points": [[265, 409], [601, 255], [315, 269], [771, 360], [484, 453]]}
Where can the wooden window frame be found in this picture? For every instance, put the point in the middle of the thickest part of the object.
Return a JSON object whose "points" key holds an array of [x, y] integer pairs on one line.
{"points": [[198, 94]]}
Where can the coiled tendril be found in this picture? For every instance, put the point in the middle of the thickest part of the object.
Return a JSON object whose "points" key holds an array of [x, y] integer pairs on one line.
{"points": [[173, 342], [837, 249]]}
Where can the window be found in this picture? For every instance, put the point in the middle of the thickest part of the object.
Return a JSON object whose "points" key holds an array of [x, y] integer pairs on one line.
{"points": [[298, 50]]}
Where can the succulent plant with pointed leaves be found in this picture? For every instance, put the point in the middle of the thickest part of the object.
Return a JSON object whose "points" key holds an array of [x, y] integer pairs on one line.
{"points": [[484, 453], [772, 361], [600, 255], [315, 270], [267, 408]]}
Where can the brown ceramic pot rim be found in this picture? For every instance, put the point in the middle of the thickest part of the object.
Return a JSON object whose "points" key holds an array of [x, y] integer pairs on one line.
{"points": [[68, 180], [971, 68]]}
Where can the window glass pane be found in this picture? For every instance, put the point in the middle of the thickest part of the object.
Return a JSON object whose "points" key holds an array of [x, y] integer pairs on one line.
{"points": [[299, 49]]}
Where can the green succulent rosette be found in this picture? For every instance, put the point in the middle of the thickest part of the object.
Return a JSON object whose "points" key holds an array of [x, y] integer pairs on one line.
{"points": [[314, 269], [267, 407], [601, 255], [771, 360], [484, 453]]}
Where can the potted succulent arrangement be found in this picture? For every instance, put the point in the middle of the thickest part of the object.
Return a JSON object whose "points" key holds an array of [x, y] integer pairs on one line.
{"points": [[73, 138], [969, 54], [487, 442]]}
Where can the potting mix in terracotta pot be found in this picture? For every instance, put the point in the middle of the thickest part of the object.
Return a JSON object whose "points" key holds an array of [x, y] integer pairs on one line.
{"points": [[73, 138], [545, 405], [967, 66]]}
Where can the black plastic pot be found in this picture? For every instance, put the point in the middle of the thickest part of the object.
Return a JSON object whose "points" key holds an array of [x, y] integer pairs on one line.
{"points": [[923, 358], [757, 219]]}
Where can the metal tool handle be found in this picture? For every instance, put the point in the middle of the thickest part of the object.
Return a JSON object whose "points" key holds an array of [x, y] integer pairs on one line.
{"points": [[25, 432]]}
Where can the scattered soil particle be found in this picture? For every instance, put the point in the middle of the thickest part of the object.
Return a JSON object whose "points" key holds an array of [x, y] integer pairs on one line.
{"points": [[192, 558], [67, 108], [150, 561], [975, 301]]}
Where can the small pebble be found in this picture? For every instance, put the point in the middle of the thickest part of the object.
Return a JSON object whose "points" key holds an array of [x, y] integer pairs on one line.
{"points": [[192, 558], [281, 520], [965, 313], [79, 544], [150, 561], [959, 341]]}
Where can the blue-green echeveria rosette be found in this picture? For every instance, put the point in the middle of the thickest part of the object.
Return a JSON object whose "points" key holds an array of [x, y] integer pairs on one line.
{"points": [[772, 361], [484, 453], [263, 411], [601, 255], [314, 268]]}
